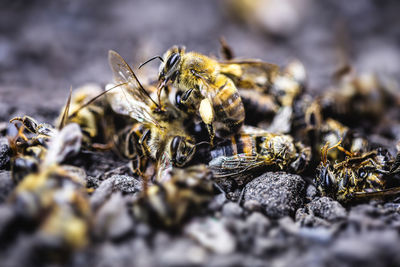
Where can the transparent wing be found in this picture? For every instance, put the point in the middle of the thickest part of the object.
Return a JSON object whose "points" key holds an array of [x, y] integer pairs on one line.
{"points": [[132, 99], [124, 103], [380, 193], [250, 74], [240, 167]]}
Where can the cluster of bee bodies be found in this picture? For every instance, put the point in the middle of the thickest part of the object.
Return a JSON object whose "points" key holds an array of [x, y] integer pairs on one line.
{"points": [[190, 127]]}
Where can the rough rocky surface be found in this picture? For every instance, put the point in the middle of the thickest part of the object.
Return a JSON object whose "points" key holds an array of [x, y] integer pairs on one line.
{"points": [[321, 211], [279, 194], [5, 153], [6, 185]]}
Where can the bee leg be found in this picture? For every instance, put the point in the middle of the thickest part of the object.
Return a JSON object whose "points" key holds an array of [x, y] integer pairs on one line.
{"points": [[20, 134], [102, 147], [211, 132], [395, 168], [139, 166], [241, 195], [29, 123], [206, 111]]}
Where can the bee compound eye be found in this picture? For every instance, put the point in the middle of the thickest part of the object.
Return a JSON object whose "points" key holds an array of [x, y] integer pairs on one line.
{"points": [[178, 99], [186, 95], [175, 144], [172, 60]]}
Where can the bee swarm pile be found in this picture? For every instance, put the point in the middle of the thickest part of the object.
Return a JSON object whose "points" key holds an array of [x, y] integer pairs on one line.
{"points": [[213, 161]]}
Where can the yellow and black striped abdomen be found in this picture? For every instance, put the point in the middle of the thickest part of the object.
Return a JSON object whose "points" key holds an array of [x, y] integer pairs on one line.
{"points": [[228, 107], [238, 144]]}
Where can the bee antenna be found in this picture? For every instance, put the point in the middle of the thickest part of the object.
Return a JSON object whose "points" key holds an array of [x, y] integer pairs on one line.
{"points": [[66, 110], [151, 59], [94, 99]]}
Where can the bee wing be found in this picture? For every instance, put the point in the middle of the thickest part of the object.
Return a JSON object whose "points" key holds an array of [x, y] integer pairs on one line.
{"points": [[125, 103], [249, 74], [132, 99], [240, 167], [249, 66], [381, 193]]}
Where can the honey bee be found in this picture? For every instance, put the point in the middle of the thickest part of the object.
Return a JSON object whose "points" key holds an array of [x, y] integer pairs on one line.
{"points": [[356, 177], [29, 146], [54, 198], [254, 150], [90, 117], [169, 203], [163, 132], [356, 96], [266, 90], [314, 130], [205, 89]]}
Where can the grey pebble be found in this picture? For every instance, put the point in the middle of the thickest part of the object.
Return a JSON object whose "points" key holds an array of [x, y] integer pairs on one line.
{"points": [[112, 220], [6, 185], [5, 153], [279, 193], [232, 209]]}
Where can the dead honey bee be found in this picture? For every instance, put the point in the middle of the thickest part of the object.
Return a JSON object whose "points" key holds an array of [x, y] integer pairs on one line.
{"points": [[54, 198], [266, 90], [29, 146], [253, 150], [205, 89], [356, 96], [172, 201], [163, 131], [315, 131], [89, 117], [356, 177]]}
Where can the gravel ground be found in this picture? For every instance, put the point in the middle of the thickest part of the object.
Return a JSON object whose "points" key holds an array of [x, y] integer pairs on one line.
{"points": [[48, 46]]}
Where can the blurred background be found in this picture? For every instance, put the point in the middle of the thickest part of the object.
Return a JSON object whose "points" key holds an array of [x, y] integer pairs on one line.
{"points": [[48, 46]]}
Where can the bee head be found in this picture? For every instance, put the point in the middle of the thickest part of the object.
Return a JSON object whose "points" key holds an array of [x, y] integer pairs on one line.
{"points": [[325, 181], [170, 67], [182, 150]]}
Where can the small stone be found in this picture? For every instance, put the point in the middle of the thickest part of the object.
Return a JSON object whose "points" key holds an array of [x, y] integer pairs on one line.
{"points": [[5, 153], [102, 193], [279, 193], [6, 185], [126, 184], [252, 205], [258, 223], [217, 202], [327, 208], [232, 209], [123, 183], [180, 252], [212, 234], [112, 219], [311, 192], [142, 230]]}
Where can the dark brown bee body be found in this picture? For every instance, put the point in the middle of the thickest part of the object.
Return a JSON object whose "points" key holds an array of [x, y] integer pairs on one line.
{"points": [[356, 177], [242, 156], [167, 204]]}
